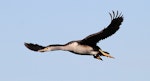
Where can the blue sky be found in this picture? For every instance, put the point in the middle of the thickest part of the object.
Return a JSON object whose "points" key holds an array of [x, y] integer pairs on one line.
{"points": [[60, 21]]}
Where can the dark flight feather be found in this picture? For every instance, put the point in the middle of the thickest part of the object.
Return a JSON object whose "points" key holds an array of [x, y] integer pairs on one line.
{"points": [[116, 20]]}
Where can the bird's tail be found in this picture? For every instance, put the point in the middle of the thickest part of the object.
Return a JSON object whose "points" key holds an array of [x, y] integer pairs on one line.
{"points": [[34, 47]]}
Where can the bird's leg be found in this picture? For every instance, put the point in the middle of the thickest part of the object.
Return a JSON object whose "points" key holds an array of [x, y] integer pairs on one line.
{"points": [[97, 57], [106, 54]]}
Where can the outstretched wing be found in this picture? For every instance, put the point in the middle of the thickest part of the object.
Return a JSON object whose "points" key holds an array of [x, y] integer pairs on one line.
{"points": [[116, 20]]}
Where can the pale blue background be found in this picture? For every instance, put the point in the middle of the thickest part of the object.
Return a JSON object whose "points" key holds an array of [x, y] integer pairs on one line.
{"points": [[59, 21]]}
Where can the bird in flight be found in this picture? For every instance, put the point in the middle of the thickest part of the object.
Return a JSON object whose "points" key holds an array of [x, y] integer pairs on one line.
{"points": [[88, 45]]}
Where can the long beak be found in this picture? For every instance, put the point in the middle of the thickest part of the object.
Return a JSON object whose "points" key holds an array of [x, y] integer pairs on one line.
{"points": [[106, 54]]}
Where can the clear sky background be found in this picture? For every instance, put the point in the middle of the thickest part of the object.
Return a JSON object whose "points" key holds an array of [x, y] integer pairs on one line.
{"points": [[60, 21]]}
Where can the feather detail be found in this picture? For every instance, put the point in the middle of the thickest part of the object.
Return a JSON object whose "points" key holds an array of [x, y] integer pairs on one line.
{"points": [[116, 21]]}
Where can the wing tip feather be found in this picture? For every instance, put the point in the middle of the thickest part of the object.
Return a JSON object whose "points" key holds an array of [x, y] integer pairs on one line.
{"points": [[116, 15]]}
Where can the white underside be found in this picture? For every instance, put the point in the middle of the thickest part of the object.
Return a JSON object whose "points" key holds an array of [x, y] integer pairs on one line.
{"points": [[81, 49], [74, 47]]}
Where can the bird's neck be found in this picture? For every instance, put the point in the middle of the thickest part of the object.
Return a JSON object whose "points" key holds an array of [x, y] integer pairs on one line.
{"points": [[66, 47], [58, 47]]}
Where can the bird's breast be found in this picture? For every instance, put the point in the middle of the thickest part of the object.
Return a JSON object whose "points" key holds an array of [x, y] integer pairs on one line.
{"points": [[81, 49]]}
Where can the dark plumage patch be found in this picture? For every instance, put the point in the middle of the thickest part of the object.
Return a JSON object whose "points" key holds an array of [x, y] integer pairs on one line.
{"points": [[116, 20], [34, 47]]}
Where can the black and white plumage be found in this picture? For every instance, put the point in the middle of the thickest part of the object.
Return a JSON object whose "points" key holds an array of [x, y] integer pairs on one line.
{"points": [[88, 45]]}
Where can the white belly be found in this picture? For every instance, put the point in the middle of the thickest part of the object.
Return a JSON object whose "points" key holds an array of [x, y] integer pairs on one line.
{"points": [[82, 49]]}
